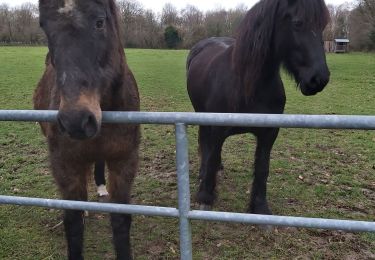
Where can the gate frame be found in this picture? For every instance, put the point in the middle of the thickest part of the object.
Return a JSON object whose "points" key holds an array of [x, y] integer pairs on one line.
{"points": [[184, 212]]}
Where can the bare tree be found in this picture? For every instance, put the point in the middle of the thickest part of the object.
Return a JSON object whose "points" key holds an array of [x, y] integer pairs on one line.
{"points": [[130, 10], [7, 23], [152, 33], [367, 9], [215, 23], [192, 20], [170, 15], [362, 25], [338, 26], [224, 23], [26, 23], [20, 24], [235, 17], [140, 27]]}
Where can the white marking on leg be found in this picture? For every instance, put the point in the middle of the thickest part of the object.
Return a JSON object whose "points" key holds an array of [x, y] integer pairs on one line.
{"points": [[102, 191]]}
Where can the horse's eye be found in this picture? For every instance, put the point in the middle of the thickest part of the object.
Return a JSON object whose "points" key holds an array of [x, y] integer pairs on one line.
{"points": [[297, 24], [99, 25]]}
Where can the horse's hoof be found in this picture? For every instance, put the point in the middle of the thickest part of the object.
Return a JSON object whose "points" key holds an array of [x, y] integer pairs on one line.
{"points": [[259, 210], [102, 191], [205, 207], [205, 198]]}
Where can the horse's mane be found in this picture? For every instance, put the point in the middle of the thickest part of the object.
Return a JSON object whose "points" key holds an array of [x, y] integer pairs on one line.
{"points": [[254, 35]]}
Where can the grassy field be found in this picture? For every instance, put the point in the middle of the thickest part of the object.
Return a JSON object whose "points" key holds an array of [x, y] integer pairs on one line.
{"points": [[314, 173]]}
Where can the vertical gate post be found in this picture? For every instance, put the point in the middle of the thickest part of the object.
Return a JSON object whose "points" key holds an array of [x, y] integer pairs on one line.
{"points": [[182, 156]]}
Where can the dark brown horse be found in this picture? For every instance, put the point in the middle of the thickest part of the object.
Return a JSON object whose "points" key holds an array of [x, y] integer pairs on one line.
{"points": [[86, 73], [242, 75]]}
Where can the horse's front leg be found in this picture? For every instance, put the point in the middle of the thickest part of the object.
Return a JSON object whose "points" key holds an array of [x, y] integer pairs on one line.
{"points": [[211, 141], [121, 176], [258, 201], [71, 179]]}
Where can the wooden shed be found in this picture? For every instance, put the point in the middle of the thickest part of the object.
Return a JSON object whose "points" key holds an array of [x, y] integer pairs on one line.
{"points": [[341, 45]]}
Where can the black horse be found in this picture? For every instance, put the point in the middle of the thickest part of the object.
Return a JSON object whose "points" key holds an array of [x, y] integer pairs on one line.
{"points": [[242, 75]]}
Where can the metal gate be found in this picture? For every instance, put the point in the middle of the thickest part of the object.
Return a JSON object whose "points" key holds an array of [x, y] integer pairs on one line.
{"points": [[184, 212]]}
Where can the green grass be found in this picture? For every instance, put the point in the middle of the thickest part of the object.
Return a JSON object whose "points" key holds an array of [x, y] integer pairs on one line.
{"points": [[337, 170]]}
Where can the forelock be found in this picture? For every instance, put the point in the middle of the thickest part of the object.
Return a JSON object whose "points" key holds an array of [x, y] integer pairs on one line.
{"points": [[68, 7], [314, 12]]}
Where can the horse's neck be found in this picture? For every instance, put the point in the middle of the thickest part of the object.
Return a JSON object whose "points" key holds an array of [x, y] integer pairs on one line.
{"points": [[269, 72], [123, 92], [270, 69]]}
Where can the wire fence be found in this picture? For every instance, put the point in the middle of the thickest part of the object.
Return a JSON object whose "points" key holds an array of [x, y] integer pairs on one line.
{"points": [[184, 212]]}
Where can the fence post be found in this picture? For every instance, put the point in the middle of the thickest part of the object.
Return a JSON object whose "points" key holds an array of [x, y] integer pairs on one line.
{"points": [[182, 156]]}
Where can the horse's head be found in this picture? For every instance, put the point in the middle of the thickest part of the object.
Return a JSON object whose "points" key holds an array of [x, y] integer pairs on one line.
{"points": [[298, 35], [86, 54], [287, 31]]}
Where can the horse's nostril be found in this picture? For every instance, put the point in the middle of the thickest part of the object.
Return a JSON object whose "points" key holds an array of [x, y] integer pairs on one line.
{"points": [[319, 82], [78, 125], [325, 81], [315, 81], [90, 126]]}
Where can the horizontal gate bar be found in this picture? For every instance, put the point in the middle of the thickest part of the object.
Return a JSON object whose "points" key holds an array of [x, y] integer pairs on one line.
{"points": [[91, 206], [331, 224], [216, 119]]}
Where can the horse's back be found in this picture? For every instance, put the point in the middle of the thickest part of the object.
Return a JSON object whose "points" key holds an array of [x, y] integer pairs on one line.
{"points": [[208, 59], [212, 45]]}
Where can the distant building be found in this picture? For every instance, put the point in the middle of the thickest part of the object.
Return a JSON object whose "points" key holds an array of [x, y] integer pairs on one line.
{"points": [[337, 46], [341, 45]]}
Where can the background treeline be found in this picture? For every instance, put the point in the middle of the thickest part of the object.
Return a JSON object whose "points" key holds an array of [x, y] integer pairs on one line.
{"points": [[173, 28], [355, 21]]}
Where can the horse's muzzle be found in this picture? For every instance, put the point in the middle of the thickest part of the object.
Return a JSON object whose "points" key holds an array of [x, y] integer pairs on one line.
{"points": [[314, 85], [78, 125]]}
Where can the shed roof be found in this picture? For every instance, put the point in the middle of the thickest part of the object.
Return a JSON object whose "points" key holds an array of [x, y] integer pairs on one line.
{"points": [[342, 40]]}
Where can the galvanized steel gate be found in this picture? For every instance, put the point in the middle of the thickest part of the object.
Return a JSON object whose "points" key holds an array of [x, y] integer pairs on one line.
{"points": [[184, 212]]}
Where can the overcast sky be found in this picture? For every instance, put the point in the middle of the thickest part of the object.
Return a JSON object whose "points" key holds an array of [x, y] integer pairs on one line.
{"points": [[157, 5]]}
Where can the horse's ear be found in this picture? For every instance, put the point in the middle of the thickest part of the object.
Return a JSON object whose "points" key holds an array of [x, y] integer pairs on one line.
{"points": [[253, 43]]}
